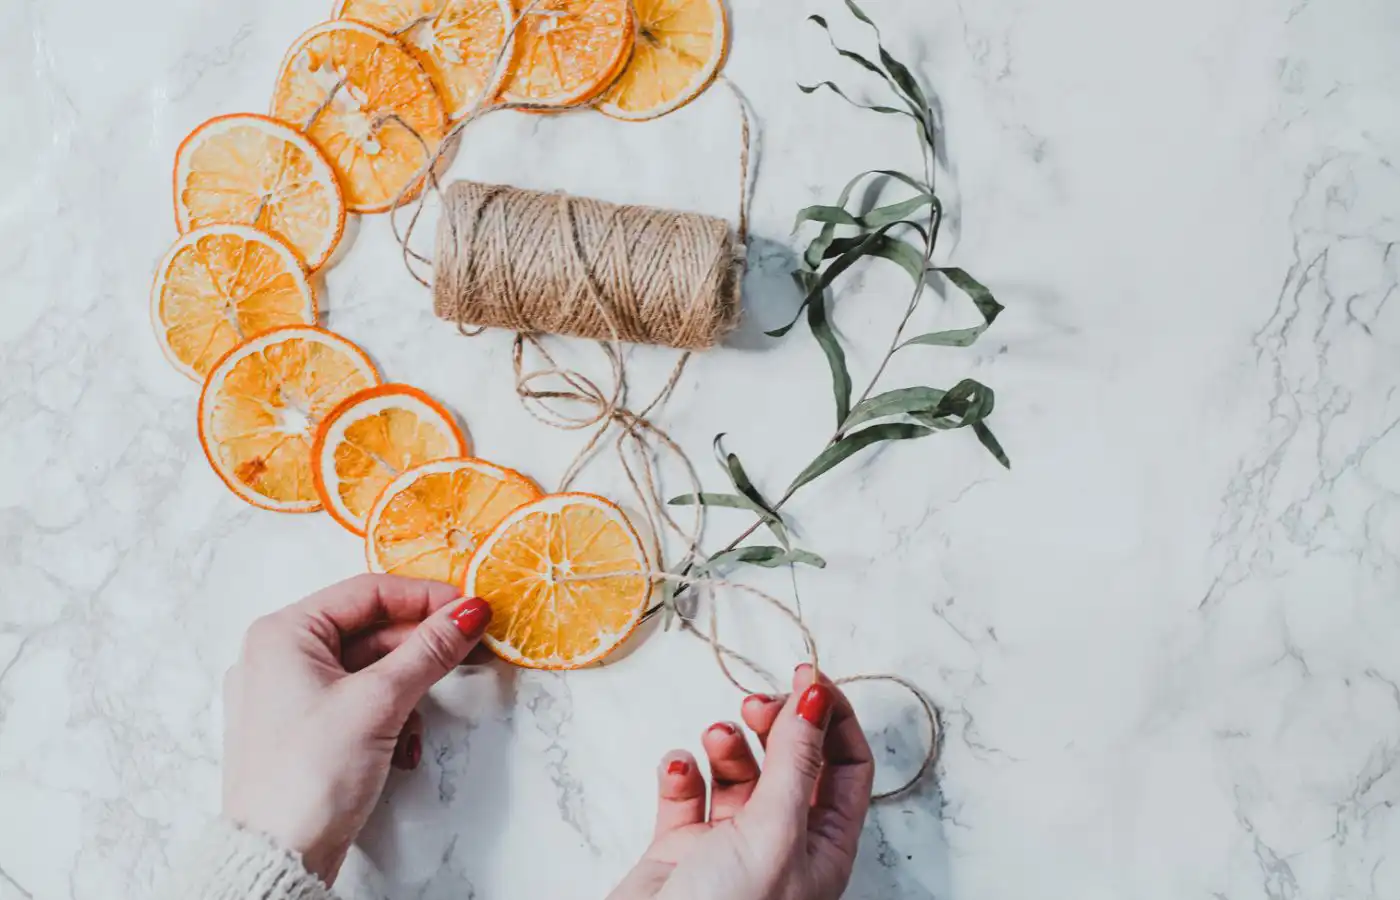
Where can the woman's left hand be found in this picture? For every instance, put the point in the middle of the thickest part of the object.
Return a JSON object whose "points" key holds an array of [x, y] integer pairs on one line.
{"points": [[321, 703]]}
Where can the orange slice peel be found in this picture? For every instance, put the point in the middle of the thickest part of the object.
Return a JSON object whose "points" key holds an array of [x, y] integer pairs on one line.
{"points": [[428, 521], [567, 579], [221, 284], [369, 106], [458, 42], [262, 405], [569, 51], [248, 169], [681, 46], [370, 439]]}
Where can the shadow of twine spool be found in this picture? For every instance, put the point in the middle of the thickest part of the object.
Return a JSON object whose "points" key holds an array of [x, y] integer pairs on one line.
{"points": [[550, 263]]}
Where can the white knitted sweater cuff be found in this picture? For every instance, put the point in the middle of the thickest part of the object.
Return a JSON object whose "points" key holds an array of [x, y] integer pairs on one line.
{"points": [[233, 863]]}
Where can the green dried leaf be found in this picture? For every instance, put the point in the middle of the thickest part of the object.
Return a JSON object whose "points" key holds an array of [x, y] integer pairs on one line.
{"points": [[989, 440], [855, 442], [899, 76], [768, 557], [733, 501], [817, 249], [902, 401], [873, 244], [745, 486], [835, 356], [832, 215], [966, 403], [894, 212], [835, 89], [902, 253], [986, 304]]}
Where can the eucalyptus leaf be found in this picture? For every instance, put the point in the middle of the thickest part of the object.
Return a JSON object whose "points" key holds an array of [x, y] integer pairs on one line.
{"points": [[989, 440], [902, 253], [768, 557], [902, 401], [873, 244], [850, 54], [835, 356], [733, 501], [855, 442], [873, 107], [817, 249], [745, 486], [986, 304], [899, 75], [967, 403]]}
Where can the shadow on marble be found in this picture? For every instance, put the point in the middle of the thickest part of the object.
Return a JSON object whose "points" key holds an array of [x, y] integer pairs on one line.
{"points": [[410, 847], [770, 296]]}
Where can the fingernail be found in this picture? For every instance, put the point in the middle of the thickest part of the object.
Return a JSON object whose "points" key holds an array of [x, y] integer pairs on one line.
{"points": [[765, 699], [408, 751], [724, 728], [472, 616], [678, 767], [815, 705]]}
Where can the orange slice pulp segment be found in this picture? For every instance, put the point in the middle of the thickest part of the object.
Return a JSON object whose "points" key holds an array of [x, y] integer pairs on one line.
{"points": [[370, 439], [567, 580], [458, 42], [261, 407], [367, 104], [429, 521], [251, 170], [680, 47], [218, 286], [570, 51]]}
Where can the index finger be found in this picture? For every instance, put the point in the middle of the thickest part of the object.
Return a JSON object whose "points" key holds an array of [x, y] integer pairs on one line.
{"points": [[365, 600], [842, 798]]}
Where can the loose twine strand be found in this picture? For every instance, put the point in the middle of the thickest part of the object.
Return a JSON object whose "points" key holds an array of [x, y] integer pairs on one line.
{"points": [[588, 242]]}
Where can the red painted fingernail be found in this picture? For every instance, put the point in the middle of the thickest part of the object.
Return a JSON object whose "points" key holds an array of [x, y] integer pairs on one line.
{"points": [[725, 727], [413, 750], [472, 616], [759, 698], [678, 767], [815, 705]]}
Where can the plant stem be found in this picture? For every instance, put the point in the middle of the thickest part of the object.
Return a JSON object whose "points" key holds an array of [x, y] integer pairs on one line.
{"points": [[935, 220]]}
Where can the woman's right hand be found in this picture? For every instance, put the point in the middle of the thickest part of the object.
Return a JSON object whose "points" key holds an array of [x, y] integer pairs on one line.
{"points": [[788, 832]]}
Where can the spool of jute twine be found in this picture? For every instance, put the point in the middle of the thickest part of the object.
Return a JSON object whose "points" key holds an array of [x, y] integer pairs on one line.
{"points": [[551, 263]]}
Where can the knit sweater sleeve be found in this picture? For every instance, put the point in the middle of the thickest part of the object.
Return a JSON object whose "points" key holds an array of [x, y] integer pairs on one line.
{"points": [[233, 863]]}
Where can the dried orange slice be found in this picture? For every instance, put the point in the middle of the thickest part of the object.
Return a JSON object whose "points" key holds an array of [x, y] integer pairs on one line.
{"points": [[262, 404], [221, 284], [370, 439], [566, 577], [570, 51], [457, 41], [368, 104], [428, 522], [248, 169], [680, 47]]}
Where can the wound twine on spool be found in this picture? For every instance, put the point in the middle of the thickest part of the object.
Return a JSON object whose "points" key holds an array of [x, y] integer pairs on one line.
{"points": [[551, 263], [612, 292]]}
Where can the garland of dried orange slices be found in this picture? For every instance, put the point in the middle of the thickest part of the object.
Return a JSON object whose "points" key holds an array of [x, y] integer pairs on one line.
{"points": [[295, 418]]}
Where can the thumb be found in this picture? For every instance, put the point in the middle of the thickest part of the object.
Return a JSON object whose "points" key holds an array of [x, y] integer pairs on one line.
{"points": [[794, 758], [436, 647]]}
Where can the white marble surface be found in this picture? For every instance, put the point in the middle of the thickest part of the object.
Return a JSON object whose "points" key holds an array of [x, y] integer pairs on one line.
{"points": [[1167, 645]]}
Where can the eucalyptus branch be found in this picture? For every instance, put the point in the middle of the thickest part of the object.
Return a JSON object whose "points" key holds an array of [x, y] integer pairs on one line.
{"points": [[900, 414]]}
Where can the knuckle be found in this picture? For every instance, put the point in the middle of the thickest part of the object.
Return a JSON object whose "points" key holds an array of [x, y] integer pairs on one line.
{"points": [[439, 647], [378, 695], [806, 759], [263, 631]]}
